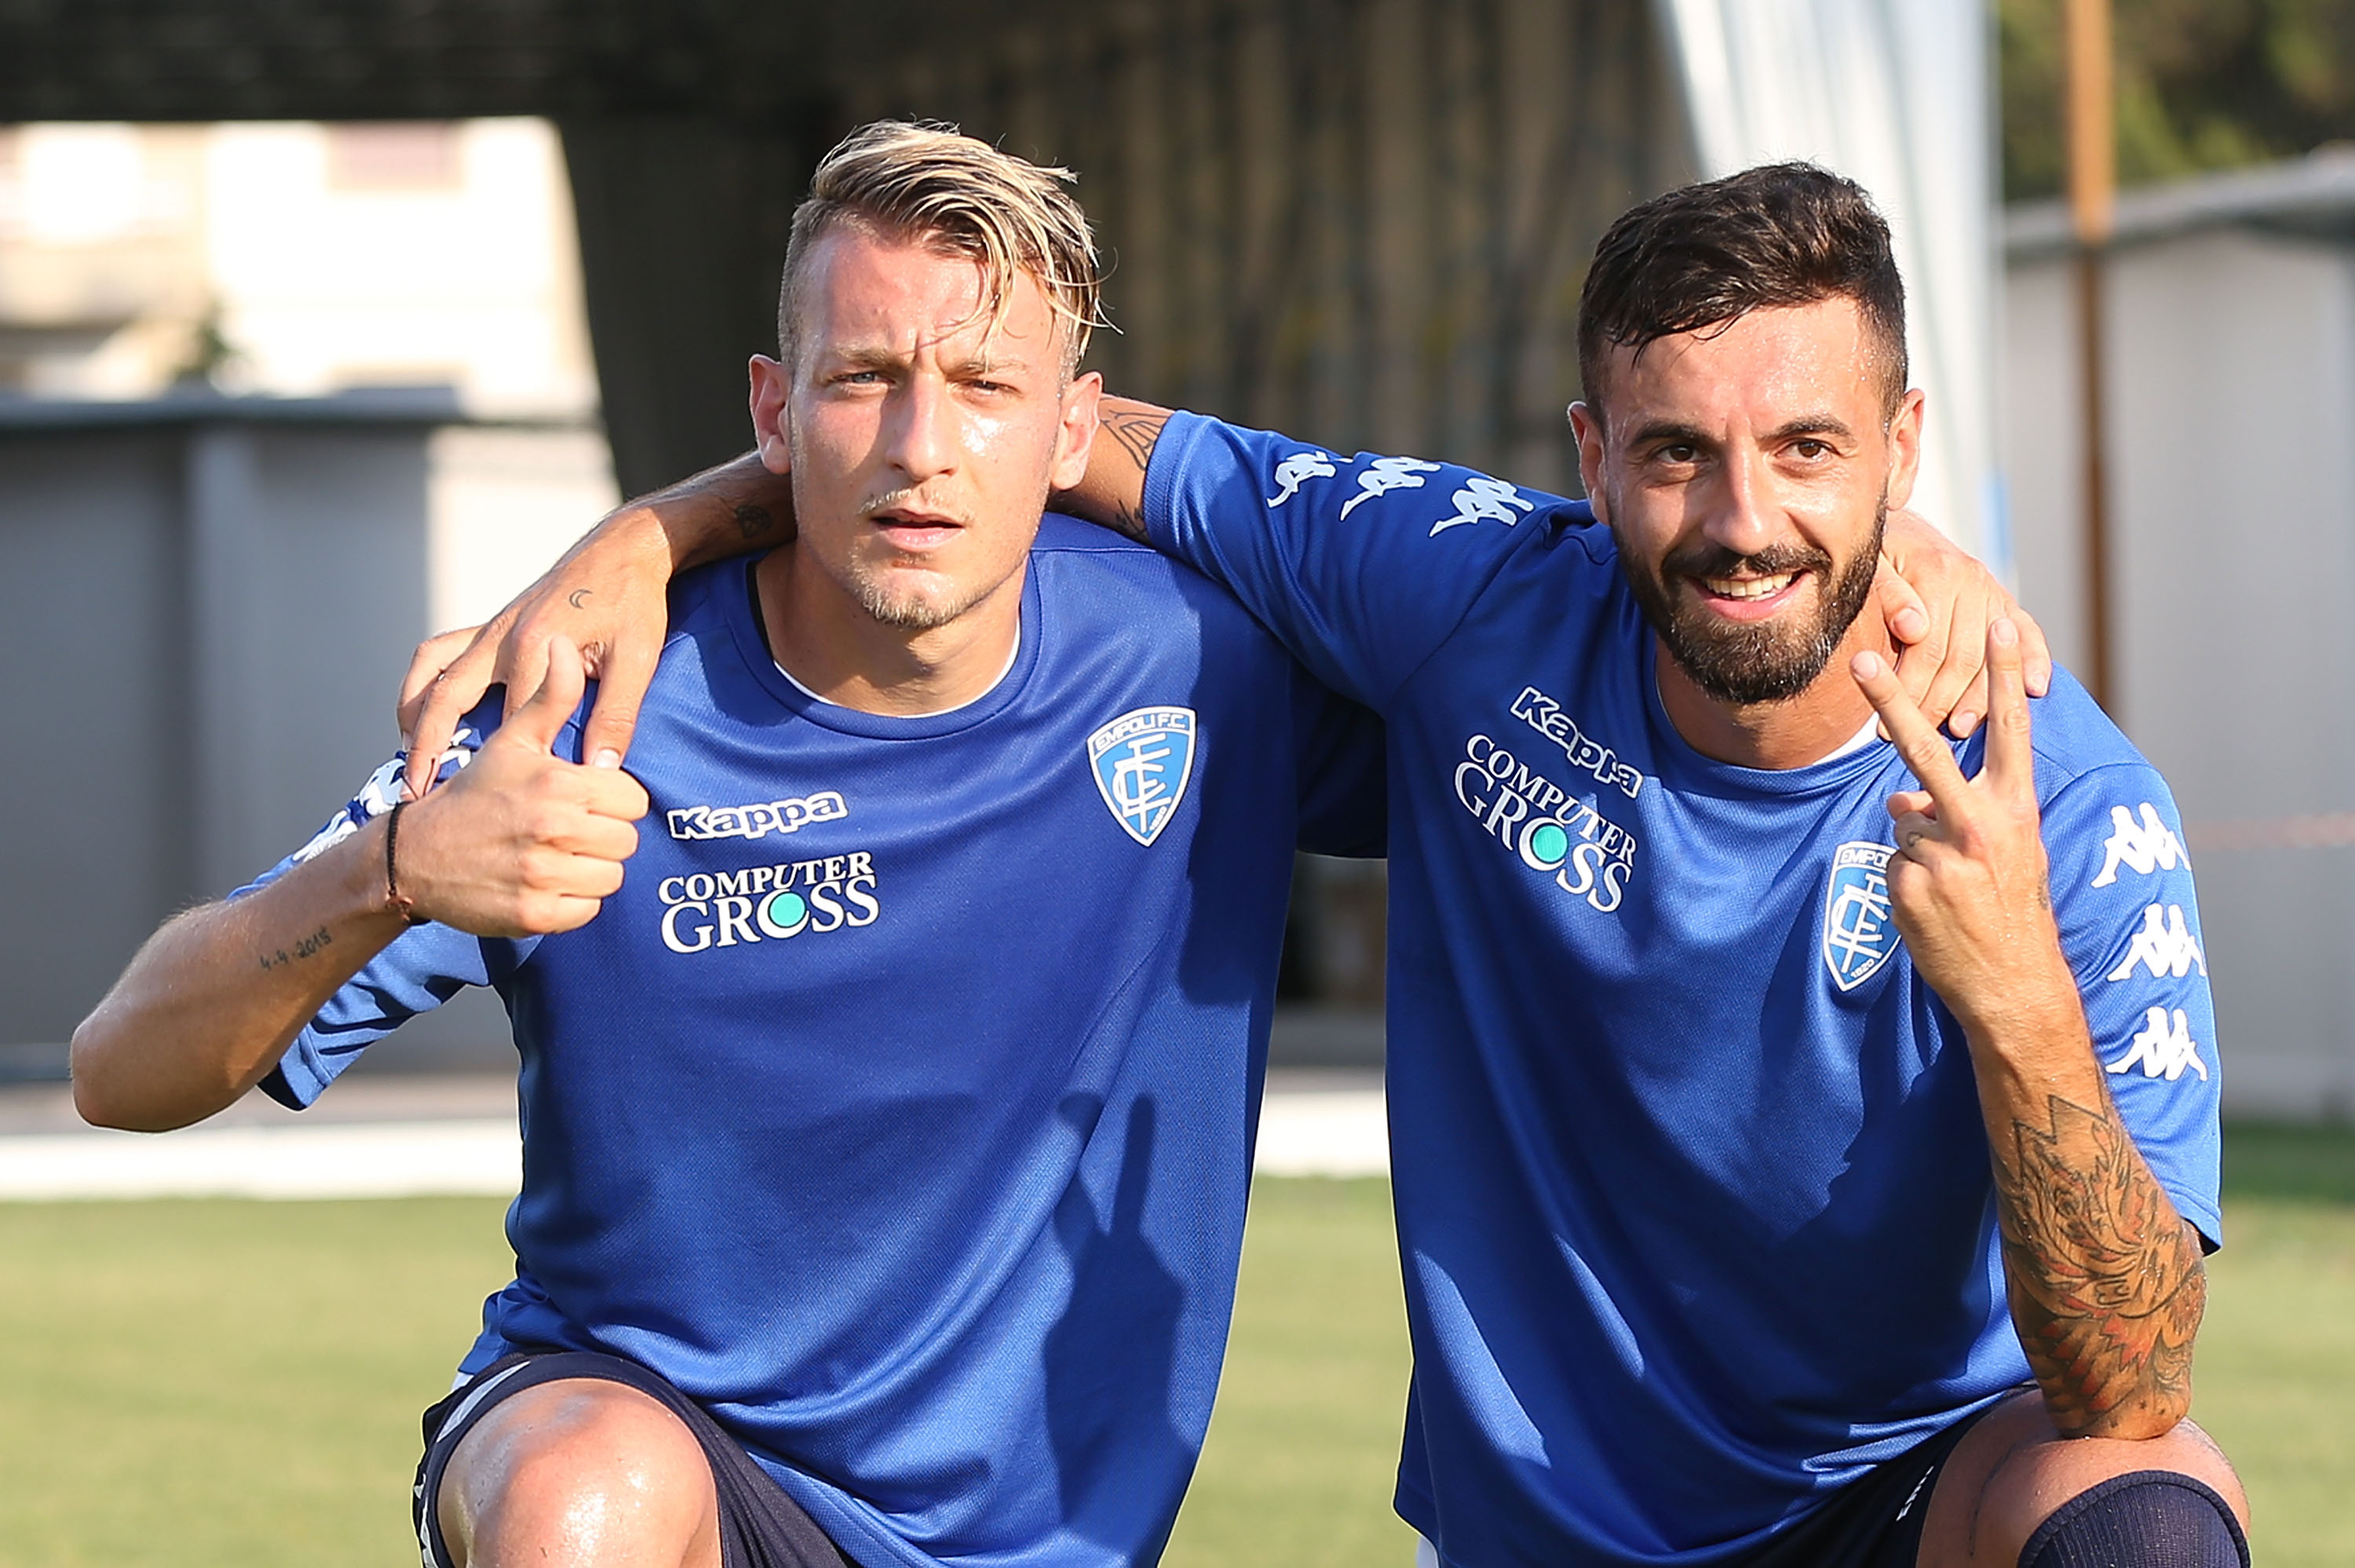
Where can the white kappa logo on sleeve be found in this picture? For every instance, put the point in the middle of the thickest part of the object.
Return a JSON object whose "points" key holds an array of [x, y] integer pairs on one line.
{"points": [[2141, 847], [1483, 497], [1385, 475], [1297, 470], [2164, 945], [2163, 1049]]}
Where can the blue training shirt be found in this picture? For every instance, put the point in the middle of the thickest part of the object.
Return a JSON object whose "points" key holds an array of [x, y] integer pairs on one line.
{"points": [[899, 1108], [1693, 1193]]}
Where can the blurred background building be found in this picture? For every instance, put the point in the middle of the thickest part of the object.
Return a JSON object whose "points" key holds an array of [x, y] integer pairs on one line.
{"points": [[293, 260], [325, 325], [2231, 360]]}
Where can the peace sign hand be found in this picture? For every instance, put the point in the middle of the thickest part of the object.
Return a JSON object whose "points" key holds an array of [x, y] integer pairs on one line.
{"points": [[1969, 882]]}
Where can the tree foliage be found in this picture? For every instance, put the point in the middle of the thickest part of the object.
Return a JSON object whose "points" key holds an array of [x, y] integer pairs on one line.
{"points": [[2201, 84]]}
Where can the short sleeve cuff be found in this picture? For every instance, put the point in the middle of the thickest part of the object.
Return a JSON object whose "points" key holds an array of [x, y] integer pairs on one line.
{"points": [[1171, 454]]}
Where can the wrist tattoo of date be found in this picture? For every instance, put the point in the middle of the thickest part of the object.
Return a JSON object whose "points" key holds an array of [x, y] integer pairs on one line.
{"points": [[307, 947]]}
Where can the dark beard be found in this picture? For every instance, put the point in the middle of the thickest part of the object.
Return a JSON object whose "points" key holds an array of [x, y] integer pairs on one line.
{"points": [[1769, 661]]}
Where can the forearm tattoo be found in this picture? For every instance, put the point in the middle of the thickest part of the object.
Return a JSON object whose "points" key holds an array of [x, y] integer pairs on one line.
{"points": [[2106, 1281], [1135, 431], [753, 520], [303, 948]]}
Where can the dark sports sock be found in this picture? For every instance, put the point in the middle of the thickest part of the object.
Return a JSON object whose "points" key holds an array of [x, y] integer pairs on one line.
{"points": [[2148, 1519]]}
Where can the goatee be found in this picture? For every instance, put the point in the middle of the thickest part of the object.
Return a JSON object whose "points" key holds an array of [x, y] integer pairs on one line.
{"points": [[1759, 662]]}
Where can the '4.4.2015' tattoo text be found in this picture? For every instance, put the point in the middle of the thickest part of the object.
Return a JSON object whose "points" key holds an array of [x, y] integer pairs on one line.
{"points": [[305, 948]]}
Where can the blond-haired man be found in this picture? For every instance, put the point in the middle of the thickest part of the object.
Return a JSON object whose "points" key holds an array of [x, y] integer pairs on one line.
{"points": [[887, 1130], [1727, 1216]]}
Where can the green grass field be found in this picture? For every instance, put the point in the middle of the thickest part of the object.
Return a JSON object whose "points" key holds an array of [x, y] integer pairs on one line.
{"points": [[198, 1383]]}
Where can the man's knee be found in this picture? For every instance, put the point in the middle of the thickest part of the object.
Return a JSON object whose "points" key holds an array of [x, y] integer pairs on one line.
{"points": [[2013, 1475], [2153, 1518], [580, 1471]]}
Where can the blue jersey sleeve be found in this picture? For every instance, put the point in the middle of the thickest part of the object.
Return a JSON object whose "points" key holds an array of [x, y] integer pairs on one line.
{"points": [[2130, 928], [1361, 566], [420, 969]]}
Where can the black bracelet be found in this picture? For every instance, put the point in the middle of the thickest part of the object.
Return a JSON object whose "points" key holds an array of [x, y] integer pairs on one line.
{"points": [[400, 902]]}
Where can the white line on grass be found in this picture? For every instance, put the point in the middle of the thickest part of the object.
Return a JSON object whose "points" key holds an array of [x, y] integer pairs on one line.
{"points": [[368, 1159], [1329, 1133]]}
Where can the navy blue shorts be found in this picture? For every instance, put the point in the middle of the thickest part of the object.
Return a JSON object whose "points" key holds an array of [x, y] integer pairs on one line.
{"points": [[1875, 1520], [759, 1526]]}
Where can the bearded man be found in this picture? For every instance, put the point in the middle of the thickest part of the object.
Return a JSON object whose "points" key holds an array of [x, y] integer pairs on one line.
{"points": [[1736, 1229]]}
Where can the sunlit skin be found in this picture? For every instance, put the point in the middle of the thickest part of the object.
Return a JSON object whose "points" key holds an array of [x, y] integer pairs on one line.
{"points": [[921, 445], [1769, 434], [922, 439]]}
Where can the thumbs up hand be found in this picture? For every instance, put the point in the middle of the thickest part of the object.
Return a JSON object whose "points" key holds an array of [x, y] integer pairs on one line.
{"points": [[522, 842]]}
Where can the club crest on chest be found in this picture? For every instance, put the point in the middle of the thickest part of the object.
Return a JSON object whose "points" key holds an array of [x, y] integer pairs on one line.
{"points": [[1859, 930], [1142, 761]]}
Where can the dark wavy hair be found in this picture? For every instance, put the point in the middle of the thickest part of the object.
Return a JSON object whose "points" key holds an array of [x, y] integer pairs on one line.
{"points": [[1705, 255]]}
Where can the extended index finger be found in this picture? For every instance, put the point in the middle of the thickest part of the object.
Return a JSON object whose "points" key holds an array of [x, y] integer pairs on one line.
{"points": [[1916, 738]]}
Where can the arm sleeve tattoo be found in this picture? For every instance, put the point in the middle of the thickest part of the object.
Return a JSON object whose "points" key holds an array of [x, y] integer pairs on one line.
{"points": [[1135, 432], [2106, 1282]]}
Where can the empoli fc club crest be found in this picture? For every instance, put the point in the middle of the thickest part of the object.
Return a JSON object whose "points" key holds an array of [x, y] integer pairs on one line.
{"points": [[1860, 932], [1142, 760]]}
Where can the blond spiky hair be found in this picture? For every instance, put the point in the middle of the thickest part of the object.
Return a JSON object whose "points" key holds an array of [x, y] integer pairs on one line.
{"points": [[926, 181]]}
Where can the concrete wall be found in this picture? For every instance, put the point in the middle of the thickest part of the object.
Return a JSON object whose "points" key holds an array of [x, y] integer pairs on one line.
{"points": [[95, 779], [205, 608], [2231, 445]]}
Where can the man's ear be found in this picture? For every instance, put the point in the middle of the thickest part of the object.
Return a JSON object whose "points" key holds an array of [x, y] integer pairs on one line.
{"points": [[1906, 448], [1076, 432], [772, 415], [1586, 424]]}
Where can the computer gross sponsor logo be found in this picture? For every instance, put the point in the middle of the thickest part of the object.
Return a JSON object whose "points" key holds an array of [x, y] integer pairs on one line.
{"points": [[704, 911], [1585, 853]]}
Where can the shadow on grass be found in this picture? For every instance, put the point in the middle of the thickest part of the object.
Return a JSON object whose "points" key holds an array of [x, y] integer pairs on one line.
{"points": [[2283, 1161]]}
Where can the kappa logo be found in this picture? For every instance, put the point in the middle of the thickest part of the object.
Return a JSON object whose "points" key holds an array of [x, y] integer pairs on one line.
{"points": [[1483, 497], [787, 816], [1860, 933], [1546, 716], [2142, 846], [2164, 1048], [1142, 761], [2164, 945], [1296, 471], [1385, 475]]}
